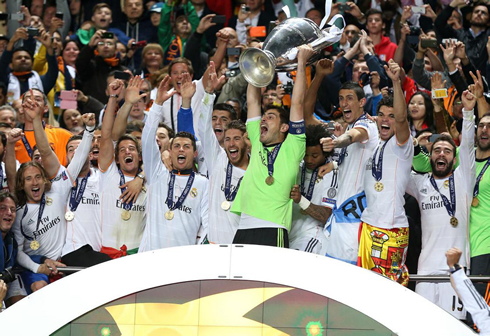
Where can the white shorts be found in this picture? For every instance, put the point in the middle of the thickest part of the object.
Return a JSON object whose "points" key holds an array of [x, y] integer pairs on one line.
{"points": [[15, 288], [343, 243], [443, 295], [316, 245]]}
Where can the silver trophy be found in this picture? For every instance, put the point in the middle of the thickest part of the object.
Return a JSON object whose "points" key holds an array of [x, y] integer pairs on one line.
{"points": [[279, 51]]}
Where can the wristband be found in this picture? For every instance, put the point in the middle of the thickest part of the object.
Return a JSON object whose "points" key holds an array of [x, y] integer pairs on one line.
{"points": [[304, 203], [455, 268], [90, 129]]}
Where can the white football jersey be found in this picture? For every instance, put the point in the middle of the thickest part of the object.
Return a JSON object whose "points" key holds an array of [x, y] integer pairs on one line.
{"points": [[385, 208]]}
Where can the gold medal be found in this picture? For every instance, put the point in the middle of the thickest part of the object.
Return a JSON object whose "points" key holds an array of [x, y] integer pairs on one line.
{"points": [[169, 215], [475, 202], [454, 221], [378, 186], [126, 215], [35, 245], [269, 180], [226, 205], [69, 216]]}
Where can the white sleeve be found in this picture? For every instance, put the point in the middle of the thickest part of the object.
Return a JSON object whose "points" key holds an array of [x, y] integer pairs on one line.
{"points": [[209, 142], [151, 155], [204, 213], [403, 151], [472, 301], [413, 185], [467, 163], [81, 154], [241, 31]]}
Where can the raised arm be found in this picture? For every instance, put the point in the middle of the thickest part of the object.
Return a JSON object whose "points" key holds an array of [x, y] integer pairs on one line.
{"points": [[151, 154], [402, 130], [299, 91], [48, 79], [466, 149], [477, 90], [33, 108], [185, 121], [324, 67], [253, 102], [10, 161], [131, 97], [106, 152], [83, 149], [210, 143]]}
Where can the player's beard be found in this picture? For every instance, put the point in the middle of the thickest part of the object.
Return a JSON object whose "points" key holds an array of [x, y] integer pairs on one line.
{"points": [[482, 147], [443, 173]]}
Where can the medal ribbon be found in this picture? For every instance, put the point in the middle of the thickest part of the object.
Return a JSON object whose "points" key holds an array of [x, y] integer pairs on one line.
{"points": [[450, 207], [343, 152], [75, 197], [122, 180], [377, 168], [271, 158], [26, 143], [314, 175], [476, 190], [170, 194], [39, 217], [230, 196]]}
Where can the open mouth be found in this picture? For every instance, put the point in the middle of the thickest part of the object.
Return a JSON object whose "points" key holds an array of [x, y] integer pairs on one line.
{"points": [[218, 131], [181, 159], [441, 164], [263, 129], [347, 114], [233, 153], [385, 127], [36, 191], [128, 159]]}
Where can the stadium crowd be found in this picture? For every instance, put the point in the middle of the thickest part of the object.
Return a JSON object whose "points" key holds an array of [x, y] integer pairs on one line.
{"points": [[127, 126]]}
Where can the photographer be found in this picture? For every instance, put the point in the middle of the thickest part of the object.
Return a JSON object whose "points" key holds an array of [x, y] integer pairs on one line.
{"points": [[8, 249]]}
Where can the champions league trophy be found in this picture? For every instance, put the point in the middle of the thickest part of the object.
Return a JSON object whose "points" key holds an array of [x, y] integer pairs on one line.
{"points": [[279, 50]]}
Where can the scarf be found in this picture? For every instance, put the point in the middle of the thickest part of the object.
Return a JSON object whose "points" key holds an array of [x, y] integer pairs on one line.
{"points": [[112, 61], [16, 88]]}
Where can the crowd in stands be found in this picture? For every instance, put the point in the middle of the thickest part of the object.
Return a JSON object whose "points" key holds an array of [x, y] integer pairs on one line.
{"points": [[127, 126]]}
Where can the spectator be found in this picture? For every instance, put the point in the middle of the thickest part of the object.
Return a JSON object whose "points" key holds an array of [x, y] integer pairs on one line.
{"points": [[474, 38], [152, 60], [383, 47], [8, 115], [256, 16], [22, 77], [98, 58], [173, 37]]}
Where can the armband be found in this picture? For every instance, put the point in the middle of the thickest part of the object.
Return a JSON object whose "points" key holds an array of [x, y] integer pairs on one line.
{"points": [[297, 127]]}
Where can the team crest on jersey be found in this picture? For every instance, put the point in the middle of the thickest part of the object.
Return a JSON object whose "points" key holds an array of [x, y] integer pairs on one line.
{"points": [[193, 193], [49, 201], [446, 184]]}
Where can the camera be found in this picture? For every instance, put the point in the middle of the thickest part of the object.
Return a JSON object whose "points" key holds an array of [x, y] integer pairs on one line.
{"points": [[245, 9], [8, 275], [288, 88], [364, 79], [232, 73], [414, 30]]}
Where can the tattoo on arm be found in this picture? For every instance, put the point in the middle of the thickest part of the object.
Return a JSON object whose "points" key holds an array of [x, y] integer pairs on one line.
{"points": [[318, 212], [343, 141]]}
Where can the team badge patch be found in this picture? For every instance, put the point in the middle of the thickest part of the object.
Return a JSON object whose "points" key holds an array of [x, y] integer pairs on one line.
{"points": [[193, 192], [49, 201]]}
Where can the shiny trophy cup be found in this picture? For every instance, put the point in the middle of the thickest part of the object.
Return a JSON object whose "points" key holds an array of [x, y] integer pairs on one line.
{"points": [[279, 51]]}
